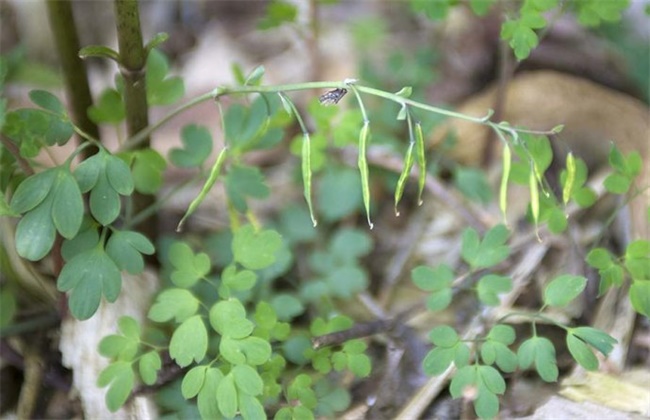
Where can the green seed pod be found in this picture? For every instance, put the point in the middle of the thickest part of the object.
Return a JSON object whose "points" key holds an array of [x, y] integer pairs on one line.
{"points": [[212, 178], [422, 164], [363, 168], [505, 174], [306, 174], [570, 177], [406, 171]]}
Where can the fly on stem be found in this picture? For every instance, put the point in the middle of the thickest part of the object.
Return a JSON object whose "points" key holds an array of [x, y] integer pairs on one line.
{"points": [[332, 97]]}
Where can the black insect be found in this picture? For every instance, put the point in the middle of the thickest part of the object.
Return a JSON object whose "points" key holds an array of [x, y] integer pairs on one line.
{"points": [[333, 96]]}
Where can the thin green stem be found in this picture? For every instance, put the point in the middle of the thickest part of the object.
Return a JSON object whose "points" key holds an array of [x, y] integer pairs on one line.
{"points": [[303, 127], [364, 114], [281, 89], [532, 317], [78, 150], [145, 213], [143, 135]]}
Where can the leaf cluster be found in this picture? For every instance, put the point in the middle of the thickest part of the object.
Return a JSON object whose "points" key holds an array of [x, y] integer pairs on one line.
{"points": [[612, 270], [526, 19], [482, 379]]}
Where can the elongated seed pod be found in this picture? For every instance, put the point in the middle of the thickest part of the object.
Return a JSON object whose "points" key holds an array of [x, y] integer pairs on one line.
{"points": [[306, 174], [534, 194], [363, 168], [212, 178], [422, 163], [570, 177], [404, 176], [505, 174]]}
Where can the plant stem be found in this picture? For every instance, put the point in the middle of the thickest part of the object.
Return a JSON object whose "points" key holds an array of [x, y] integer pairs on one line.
{"points": [[75, 76], [143, 136], [222, 91], [133, 59]]}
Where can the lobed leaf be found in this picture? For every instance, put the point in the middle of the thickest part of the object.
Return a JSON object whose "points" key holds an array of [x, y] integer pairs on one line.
{"points": [[189, 268], [339, 194], [189, 342], [207, 397], [193, 381], [179, 304], [432, 279], [255, 250], [248, 380], [242, 182], [108, 109], [250, 407], [150, 364], [540, 351], [121, 378], [126, 248], [129, 327], [147, 169], [197, 146], [227, 396], [67, 205], [437, 360], [581, 352], [35, 232], [490, 286], [600, 340], [640, 297], [46, 100], [161, 89], [228, 318], [464, 377], [563, 289], [444, 336], [33, 191]]}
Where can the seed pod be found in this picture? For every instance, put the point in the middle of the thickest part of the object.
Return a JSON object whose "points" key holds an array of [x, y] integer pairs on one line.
{"points": [[306, 174], [212, 178], [505, 174], [363, 168], [570, 177], [534, 196], [422, 164], [403, 177]]}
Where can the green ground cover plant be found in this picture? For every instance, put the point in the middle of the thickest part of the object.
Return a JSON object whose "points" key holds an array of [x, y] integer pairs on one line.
{"points": [[242, 334]]}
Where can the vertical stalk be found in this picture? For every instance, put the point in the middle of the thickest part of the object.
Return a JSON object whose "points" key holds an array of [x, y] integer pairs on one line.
{"points": [[133, 59], [315, 56], [75, 77]]}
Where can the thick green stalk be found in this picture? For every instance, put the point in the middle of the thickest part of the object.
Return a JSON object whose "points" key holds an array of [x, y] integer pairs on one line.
{"points": [[133, 59], [73, 68]]}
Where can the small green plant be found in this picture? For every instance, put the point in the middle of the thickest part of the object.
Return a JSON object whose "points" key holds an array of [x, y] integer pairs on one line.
{"points": [[477, 357], [526, 19]]}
